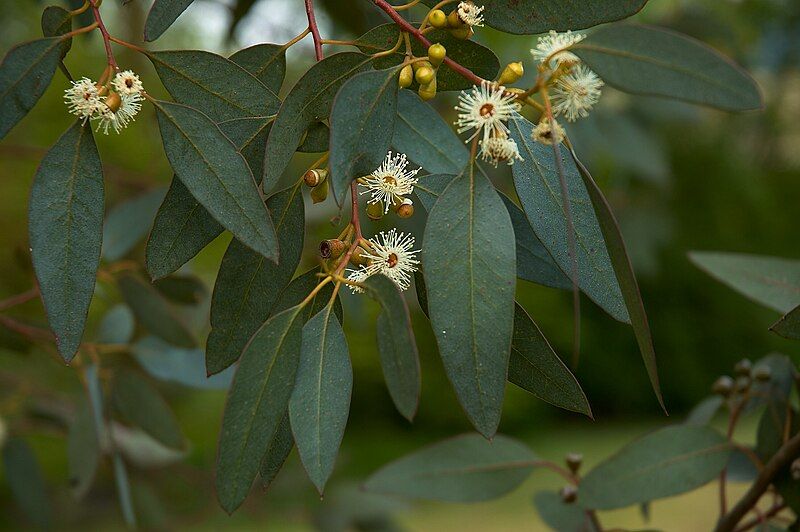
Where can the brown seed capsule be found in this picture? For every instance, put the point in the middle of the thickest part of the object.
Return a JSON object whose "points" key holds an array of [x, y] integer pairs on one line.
{"points": [[406, 77], [332, 249], [463, 33], [511, 73], [427, 92], [113, 101], [723, 386], [436, 54], [453, 20], [314, 177], [762, 374], [743, 367], [568, 494], [405, 209], [437, 19], [320, 192], [424, 75], [375, 210], [574, 461]]}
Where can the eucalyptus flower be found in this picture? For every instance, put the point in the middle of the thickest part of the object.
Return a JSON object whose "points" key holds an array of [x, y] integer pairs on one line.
{"points": [[486, 109], [575, 93], [392, 255], [553, 48], [390, 181], [83, 99], [500, 149], [470, 14]]}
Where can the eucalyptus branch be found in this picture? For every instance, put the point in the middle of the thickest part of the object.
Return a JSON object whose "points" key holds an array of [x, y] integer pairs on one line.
{"points": [[106, 36], [312, 26]]}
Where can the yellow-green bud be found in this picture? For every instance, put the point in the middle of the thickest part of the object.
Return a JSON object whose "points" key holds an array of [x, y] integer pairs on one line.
{"points": [[453, 20], [358, 258], [463, 32], [511, 73], [436, 54], [437, 18], [375, 210], [320, 192], [425, 75], [427, 92], [422, 63], [315, 176], [574, 461], [406, 77]]}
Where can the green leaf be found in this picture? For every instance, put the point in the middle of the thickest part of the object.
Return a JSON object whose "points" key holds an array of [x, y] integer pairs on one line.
{"points": [[623, 269], [172, 364], [536, 368], [24, 477], [666, 462], [704, 411], [256, 404], [56, 21], [428, 140], [65, 226], [362, 124], [771, 281], [116, 326], [153, 311], [216, 175], [561, 516], [789, 325], [309, 101], [537, 185], [396, 344], [140, 404], [123, 490], [267, 62], [219, 87], [25, 73], [161, 16], [277, 452], [466, 468], [316, 139], [468, 252], [481, 60], [301, 287], [129, 222], [320, 402], [248, 285], [658, 62], [250, 137], [183, 289], [83, 451]]}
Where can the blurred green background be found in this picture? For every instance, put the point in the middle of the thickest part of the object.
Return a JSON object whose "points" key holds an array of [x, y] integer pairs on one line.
{"points": [[680, 178]]}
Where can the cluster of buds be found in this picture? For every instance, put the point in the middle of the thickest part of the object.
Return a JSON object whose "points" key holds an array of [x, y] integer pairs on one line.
{"points": [[317, 180], [112, 102], [727, 386], [460, 21], [424, 72], [389, 187]]}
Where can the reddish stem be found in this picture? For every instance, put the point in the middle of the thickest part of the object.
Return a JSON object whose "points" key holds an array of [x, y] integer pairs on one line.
{"points": [[312, 25], [106, 36], [18, 299]]}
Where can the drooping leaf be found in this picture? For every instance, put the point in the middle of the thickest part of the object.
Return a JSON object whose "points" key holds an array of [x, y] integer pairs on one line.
{"points": [[704, 411], [778, 422], [362, 125], [561, 516], [309, 101], [250, 137], [316, 139], [216, 175], [25, 73], [481, 60], [659, 62], [169, 363], [466, 468], [161, 16], [789, 325], [83, 451], [248, 285], [140, 404], [123, 490], [24, 477], [218, 87], [128, 223], [536, 368], [771, 281], [299, 288], [267, 62], [277, 452], [57, 21], [65, 226], [666, 462], [537, 185], [396, 345], [623, 269], [153, 311], [117, 326], [256, 404], [183, 289], [320, 403], [469, 258], [426, 138]]}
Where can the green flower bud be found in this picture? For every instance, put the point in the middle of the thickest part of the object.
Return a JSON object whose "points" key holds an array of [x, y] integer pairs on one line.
{"points": [[568, 494], [743, 367], [375, 210], [320, 192], [762, 374], [463, 33], [425, 75], [437, 19], [574, 461], [427, 92], [723, 386], [511, 73], [406, 77], [436, 54]]}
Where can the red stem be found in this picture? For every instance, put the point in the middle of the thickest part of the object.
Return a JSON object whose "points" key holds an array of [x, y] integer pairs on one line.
{"points": [[312, 25], [106, 36]]}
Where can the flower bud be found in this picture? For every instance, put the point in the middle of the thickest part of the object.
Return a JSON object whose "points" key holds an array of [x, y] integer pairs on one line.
{"points": [[314, 177], [762, 374], [795, 469], [357, 258], [568, 494], [453, 20], [743, 367], [743, 384], [463, 33], [511, 73], [427, 92], [436, 54], [723, 386], [375, 210], [331, 249], [437, 19], [113, 101], [405, 209], [424, 75], [574, 461], [406, 77], [320, 192]]}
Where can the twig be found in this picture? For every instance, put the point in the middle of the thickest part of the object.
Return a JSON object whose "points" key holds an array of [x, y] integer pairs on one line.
{"points": [[312, 25], [19, 299], [106, 37]]}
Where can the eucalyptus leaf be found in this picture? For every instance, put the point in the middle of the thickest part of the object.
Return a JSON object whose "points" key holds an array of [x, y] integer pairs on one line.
{"points": [[123, 490], [182, 289], [128, 223], [25, 73], [320, 403], [316, 139], [117, 326], [666, 462], [659, 62], [65, 226], [277, 452], [173, 364], [216, 175], [161, 16], [789, 325], [256, 404], [362, 125], [704, 411], [24, 477], [267, 62], [469, 256], [300, 287], [57, 21], [466, 468], [561, 516], [83, 451]]}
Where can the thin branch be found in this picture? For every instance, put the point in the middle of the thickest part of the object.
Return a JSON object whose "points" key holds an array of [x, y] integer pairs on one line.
{"points": [[312, 25], [19, 299], [106, 37]]}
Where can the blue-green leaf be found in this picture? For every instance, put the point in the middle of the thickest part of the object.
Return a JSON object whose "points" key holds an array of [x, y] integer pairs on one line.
{"points": [[128, 223], [161, 16]]}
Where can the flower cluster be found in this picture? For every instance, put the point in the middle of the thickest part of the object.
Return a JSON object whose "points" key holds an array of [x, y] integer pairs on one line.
{"points": [[390, 182], [391, 254], [112, 106], [470, 14]]}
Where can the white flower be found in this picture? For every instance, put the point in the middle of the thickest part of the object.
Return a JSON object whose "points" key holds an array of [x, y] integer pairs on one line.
{"points": [[486, 109], [392, 256], [127, 82], [130, 105], [546, 134], [470, 14], [357, 276], [498, 149], [83, 99], [575, 93], [390, 182], [552, 48]]}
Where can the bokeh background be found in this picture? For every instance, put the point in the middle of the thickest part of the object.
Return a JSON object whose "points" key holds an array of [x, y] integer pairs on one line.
{"points": [[679, 177]]}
